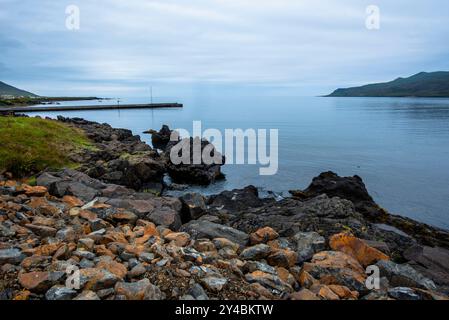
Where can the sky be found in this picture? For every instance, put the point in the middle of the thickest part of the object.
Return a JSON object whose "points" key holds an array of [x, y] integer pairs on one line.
{"points": [[282, 47]]}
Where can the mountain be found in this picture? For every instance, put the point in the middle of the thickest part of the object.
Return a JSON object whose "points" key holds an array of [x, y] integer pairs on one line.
{"points": [[424, 84], [7, 90]]}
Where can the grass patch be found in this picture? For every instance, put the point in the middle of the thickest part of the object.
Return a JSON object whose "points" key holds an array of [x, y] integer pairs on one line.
{"points": [[30, 145]]}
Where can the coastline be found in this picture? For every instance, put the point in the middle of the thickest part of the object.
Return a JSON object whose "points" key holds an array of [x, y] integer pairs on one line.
{"points": [[272, 248]]}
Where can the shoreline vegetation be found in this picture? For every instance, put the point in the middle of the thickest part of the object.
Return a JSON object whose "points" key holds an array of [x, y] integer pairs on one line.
{"points": [[109, 217]]}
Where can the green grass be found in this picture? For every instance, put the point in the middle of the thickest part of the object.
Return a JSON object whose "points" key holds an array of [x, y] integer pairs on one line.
{"points": [[29, 145]]}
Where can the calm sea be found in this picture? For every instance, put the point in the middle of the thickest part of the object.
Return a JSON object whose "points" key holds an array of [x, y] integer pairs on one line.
{"points": [[399, 146]]}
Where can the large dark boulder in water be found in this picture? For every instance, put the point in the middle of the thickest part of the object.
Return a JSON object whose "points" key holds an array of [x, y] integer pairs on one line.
{"points": [[161, 138], [236, 200], [201, 173], [349, 188]]}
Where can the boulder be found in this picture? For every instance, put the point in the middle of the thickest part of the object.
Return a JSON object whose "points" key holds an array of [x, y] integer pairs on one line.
{"points": [[202, 173], [307, 244], [257, 252], [204, 229], [356, 248], [140, 290], [214, 284], [263, 235], [403, 275], [166, 217], [60, 293], [11, 256], [193, 206], [334, 267], [403, 293], [40, 281], [432, 262], [97, 279]]}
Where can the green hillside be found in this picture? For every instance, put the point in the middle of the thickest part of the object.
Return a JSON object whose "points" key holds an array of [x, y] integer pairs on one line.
{"points": [[7, 90], [424, 84]]}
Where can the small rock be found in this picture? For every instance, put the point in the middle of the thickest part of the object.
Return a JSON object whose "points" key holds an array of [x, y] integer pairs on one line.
{"points": [[60, 293], [12, 256], [283, 258], [137, 271], [42, 231], [304, 294], [263, 235], [403, 275], [307, 244], [257, 252], [214, 284], [204, 229], [97, 279], [403, 293], [40, 281], [181, 239], [87, 295]]}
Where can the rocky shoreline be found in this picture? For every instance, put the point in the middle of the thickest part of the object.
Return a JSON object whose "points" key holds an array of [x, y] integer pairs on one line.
{"points": [[110, 222]]}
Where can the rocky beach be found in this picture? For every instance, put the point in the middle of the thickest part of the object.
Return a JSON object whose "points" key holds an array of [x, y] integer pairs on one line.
{"points": [[107, 230]]}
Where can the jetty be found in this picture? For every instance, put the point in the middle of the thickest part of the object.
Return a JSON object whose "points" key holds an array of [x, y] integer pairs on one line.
{"points": [[91, 107]]}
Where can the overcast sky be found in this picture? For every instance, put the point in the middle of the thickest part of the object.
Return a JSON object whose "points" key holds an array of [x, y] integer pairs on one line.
{"points": [[290, 47]]}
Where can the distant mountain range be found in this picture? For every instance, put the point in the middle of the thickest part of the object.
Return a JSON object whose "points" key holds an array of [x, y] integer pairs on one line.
{"points": [[7, 90], [424, 84]]}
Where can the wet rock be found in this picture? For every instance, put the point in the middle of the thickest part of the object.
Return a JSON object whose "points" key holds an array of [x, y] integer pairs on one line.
{"points": [[307, 244], [356, 248], [200, 173], [403, 275], [204, 229], [12, 256], [60, 293]]}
